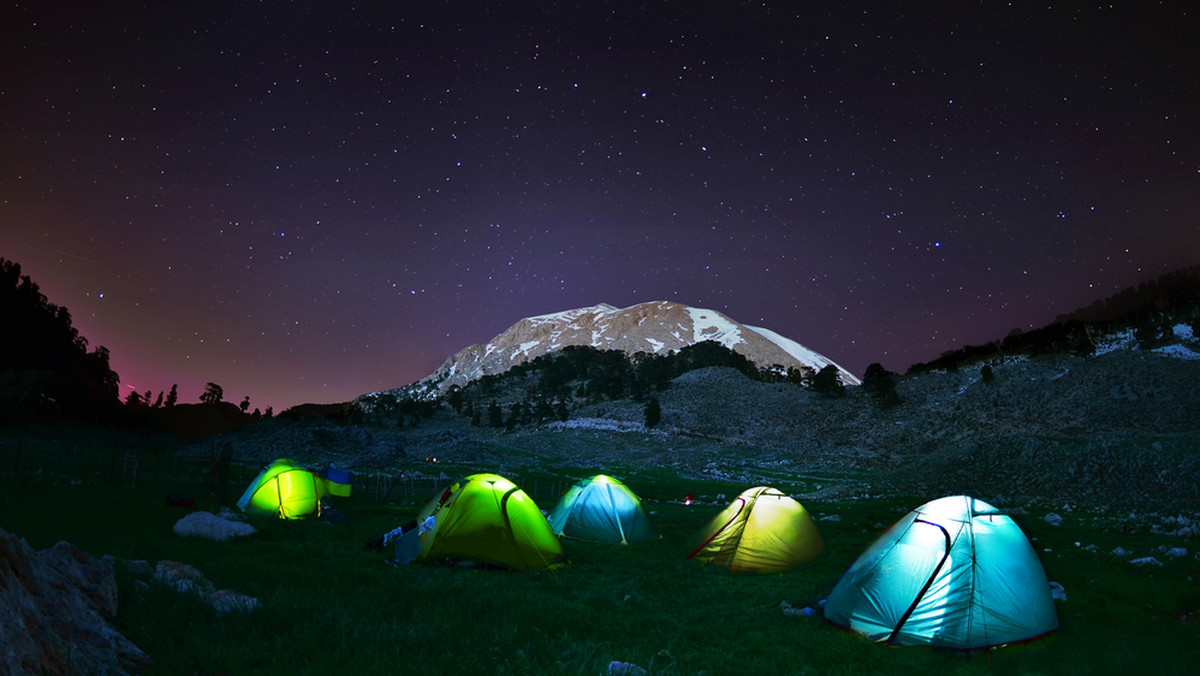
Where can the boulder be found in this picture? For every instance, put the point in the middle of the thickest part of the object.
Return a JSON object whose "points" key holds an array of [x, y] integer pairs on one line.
{"points": [[58, 605], [212, 526]]}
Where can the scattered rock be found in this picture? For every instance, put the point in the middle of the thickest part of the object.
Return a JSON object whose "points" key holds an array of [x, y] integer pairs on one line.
{"points": [[185, 579], [230, 515], [211, 526], [138, 568], [619, 668], [1057, 591], [790, 610], [58, 605], [228, 601]]}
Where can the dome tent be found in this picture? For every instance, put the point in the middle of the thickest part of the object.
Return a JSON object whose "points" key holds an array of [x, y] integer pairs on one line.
{"points": [[954, 573], [761, 531], [488, 519], [292, 491], [602, 509]]}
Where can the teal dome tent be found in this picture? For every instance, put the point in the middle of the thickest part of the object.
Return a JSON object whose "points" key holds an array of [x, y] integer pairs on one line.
{"points": [[602, 509], [953, 573]]}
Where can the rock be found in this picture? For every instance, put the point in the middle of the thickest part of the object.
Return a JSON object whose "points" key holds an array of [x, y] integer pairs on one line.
{"points": [[186, 579], [206, 525], [1053, 519], [57, 606], [1057, 591], [138, 568], [619, 668], [1146, 561], [183, 578], [790, 610], [230, 515], [228, 601]]}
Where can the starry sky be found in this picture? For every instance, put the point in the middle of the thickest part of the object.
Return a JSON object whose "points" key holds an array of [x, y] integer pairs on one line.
{"points": [[304, 202]]}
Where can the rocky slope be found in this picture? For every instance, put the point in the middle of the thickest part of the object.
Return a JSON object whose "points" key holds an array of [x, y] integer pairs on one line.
{"points": [[1115, 431]]}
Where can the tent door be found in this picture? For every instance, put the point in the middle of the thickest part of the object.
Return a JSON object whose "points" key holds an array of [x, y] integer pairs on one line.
{"points": [[932, 576]]}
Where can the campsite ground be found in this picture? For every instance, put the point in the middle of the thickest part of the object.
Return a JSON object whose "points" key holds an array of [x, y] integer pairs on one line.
{"points": [[1107, 444], [330, 605]]}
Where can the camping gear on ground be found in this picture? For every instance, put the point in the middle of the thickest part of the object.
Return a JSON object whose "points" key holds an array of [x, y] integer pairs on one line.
{"points": [[954, 573], [761, 531], [291, 491], [602, 509], [487, 519]]}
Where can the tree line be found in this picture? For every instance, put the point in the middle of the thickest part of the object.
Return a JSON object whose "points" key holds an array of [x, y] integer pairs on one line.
{"points": [[46, 366], [48, 370], [549, 387]]}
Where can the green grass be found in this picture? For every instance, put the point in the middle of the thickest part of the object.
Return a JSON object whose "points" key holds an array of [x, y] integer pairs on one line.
{"points": [[328, 605]]}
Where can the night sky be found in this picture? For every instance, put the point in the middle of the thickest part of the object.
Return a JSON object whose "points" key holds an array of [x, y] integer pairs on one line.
{"points": [[304, 202]]}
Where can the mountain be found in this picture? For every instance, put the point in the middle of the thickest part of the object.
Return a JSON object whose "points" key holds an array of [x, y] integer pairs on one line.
{"points": [[656, 327]]}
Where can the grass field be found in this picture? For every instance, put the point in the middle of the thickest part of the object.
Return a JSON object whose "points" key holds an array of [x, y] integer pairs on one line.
{"points": [[331, 606]]}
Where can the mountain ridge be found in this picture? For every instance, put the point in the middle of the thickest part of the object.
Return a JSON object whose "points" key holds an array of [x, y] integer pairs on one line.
{"points": [[654, 327]]}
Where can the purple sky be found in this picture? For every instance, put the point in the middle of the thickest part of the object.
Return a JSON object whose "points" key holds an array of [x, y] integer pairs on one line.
{"points": [[304, 202]]}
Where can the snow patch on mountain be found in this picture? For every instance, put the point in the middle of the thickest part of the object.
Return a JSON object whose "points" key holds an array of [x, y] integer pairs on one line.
{"points": [[709, 325], [801, 353]]}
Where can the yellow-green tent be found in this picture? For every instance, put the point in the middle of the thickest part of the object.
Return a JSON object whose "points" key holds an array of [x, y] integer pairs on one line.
{"points": [[761, 531], [488, 519], [291, 491]]}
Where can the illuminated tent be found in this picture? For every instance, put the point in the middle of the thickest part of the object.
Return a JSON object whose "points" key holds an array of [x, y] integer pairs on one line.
{"points": [[602, 509], [488, 519], [287, 489], [761, 531], [953, 573]]}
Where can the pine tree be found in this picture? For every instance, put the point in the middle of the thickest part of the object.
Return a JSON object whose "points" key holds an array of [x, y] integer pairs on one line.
{"points": [[653, 412], [827, 382], [213, 394], [877, 382]]}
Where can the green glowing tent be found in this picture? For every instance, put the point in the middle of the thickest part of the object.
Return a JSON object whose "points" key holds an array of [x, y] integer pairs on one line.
{"points": [[602, 509], [953, 573], [761, 531], [291, 491], [488, 519]]}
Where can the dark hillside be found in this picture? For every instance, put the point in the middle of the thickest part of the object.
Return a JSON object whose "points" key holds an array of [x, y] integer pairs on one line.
{"points": [[46, 370]]}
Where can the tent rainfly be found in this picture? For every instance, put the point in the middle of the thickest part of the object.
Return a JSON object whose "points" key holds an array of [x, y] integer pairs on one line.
{"points": [[953, 573], [488, 519], [761, 531], [602, 509], [287, 489]]}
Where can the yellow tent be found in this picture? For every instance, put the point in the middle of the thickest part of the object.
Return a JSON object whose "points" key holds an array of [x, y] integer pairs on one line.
{"points": [[761, 531]]}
